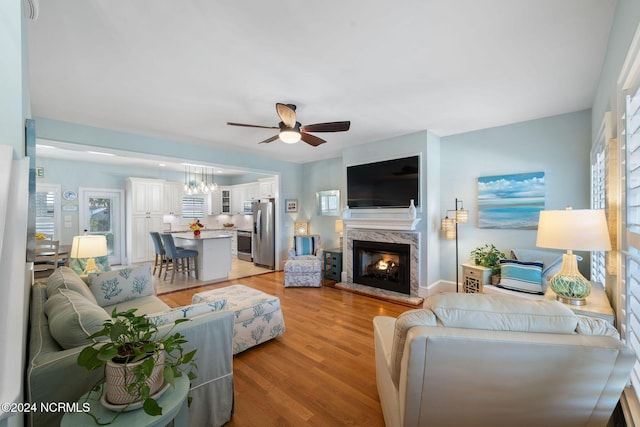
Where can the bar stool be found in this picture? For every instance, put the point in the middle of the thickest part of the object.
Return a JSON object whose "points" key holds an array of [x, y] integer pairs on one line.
{"points": [[176, 258], [161, 258]]}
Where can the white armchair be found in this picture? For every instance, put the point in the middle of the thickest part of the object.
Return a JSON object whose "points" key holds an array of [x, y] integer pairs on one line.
{"points": [[304, 267]]}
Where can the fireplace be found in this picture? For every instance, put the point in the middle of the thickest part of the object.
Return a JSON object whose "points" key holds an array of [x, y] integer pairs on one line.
{"points": [[382, 265]]}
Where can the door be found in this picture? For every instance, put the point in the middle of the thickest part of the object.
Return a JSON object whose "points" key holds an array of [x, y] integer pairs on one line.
{"points": [[101, 213]]}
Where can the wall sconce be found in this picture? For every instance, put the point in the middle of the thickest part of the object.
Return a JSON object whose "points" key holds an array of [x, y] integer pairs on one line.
{"points": [[301, 228], [450, 228]]}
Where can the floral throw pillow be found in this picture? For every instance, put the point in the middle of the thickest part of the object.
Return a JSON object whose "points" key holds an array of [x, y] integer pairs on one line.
{"points": [[116, 286]]}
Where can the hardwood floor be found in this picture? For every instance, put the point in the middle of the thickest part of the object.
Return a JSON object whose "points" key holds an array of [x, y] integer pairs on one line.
{"points": [[321, 371]]}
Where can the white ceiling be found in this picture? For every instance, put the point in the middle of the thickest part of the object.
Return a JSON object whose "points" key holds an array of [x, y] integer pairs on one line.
{"points": [[180, 70]]}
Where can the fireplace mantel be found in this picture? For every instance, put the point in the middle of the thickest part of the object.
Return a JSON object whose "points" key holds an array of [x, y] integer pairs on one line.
{"points": [[404, 224]]}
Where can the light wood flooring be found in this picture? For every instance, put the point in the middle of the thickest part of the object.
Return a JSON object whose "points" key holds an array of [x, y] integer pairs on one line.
{"points": [[239, 269], [321, 371]]}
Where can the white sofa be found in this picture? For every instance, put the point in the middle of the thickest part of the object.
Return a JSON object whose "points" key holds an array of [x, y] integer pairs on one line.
{"points": [[65, 311], [489, 360]]}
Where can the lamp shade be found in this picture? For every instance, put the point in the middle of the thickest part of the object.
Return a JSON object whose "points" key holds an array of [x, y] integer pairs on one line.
{"points": [[339, 226], [88, 247], [301, 228], [579, 230], [462, 216]]}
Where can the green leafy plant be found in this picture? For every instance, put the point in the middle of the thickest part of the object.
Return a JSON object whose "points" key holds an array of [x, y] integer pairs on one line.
{"points": [[127, 338], [488, 256]]}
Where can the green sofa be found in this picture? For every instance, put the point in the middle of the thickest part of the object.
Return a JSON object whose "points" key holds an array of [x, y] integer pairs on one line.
{"points": [[54, 376]]}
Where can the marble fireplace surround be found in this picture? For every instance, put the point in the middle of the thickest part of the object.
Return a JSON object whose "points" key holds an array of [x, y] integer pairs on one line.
{"points": [[411, 238]]}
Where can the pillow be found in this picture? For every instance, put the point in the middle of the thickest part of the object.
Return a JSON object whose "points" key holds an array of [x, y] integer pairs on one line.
{"points": [[66, 278], [551, 262], [73, 318], [521, 276], [404, 322], [502, 313], [113, 287], [304, 245], [171, 315]]}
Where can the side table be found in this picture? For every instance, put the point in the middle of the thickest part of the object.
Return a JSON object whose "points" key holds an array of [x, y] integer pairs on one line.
{"points": [[597, 303], [173, 402], [474, 277], [332, 269]]}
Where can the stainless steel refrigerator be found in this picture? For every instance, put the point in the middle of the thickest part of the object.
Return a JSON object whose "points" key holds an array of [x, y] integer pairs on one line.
{"points": [[264, 234]]}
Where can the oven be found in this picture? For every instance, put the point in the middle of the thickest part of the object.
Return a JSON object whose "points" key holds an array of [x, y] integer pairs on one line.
{"points": [[244, 245]]}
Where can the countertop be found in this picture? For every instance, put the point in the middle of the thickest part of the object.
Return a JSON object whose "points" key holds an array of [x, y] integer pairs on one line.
{"points": [[210, 234], [186, 230]]}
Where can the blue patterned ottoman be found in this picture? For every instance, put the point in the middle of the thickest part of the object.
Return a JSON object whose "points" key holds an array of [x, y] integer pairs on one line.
{"points": [[302, 272], [258, 317]]}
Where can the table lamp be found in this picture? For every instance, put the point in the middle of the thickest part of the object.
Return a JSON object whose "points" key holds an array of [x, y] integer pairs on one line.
{"points": [[580, 230], [89, 248], [301, 228], [339, 228]]}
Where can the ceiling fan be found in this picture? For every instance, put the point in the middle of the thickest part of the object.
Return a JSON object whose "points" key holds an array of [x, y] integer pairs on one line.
{"points": [[291, 131]]}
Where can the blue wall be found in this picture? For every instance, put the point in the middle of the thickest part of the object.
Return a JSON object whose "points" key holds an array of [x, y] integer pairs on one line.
{"points": [[559, 146]]}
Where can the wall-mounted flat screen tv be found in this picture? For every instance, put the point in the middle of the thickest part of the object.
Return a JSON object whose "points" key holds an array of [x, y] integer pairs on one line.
{"points": [[386, 184]]}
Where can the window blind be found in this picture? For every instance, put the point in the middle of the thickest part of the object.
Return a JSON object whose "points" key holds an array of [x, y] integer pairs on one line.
{"points": [[192, 207], [45, 213]]}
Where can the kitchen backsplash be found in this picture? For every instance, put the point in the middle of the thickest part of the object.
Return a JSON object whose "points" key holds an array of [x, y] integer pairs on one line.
{"points": [[212, 222]]}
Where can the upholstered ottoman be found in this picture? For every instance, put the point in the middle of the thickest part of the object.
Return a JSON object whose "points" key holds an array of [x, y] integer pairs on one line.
{"points": [[303, 272], [258, 317]]}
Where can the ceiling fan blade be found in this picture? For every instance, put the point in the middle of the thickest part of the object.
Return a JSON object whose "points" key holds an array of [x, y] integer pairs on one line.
{"points": [[273, 138], [311, 139], [287, 114], [252, 126], [327, 127]]}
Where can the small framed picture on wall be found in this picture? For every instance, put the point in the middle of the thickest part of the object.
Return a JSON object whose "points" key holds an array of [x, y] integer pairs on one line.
{"points": [[291, 205]]}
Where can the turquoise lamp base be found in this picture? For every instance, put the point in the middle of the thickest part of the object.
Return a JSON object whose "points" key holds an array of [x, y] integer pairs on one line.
{"points": [[569, 285]]}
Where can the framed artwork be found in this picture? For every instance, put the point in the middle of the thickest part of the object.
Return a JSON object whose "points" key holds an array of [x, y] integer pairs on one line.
{"points": [[511, 201], [291, 205]]}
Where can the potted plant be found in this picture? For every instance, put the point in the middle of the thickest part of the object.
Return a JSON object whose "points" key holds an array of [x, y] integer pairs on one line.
{"points": [[489, 256], [141, 360]]}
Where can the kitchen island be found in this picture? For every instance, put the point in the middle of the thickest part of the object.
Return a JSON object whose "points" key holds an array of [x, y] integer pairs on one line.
{"points": [[214, 252]]}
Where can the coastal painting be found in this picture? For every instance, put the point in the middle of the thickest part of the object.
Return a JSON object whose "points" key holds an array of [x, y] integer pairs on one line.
{"points": [[510, 201]]}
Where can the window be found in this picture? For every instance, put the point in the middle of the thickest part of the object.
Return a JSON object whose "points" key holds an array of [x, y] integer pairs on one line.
{"points": [[629, 277], [192, 207], [598, 200], [605, 196], [630, 325], [47, 208]]}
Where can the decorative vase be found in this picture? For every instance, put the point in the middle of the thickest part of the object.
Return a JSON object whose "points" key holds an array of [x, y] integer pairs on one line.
{"points": [[196, 233], [119, 376], [412, 210]]}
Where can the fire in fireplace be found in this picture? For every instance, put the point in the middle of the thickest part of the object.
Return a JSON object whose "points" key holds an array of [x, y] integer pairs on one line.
{"points": [[382, 265]]}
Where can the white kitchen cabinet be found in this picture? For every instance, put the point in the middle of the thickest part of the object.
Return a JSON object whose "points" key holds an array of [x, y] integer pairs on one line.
{"points": [[237, 202], [173, 192], [142, 246], [268, 188], [225, 200], [147, 196], [252, 191], [215, 200], [145, 207]]}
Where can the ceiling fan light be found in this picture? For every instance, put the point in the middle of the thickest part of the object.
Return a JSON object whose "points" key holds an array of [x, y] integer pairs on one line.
{"points": [[289, 136]]}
